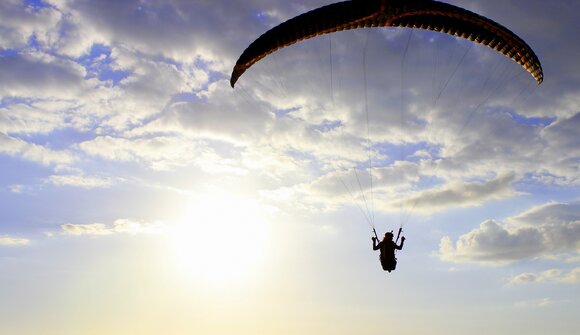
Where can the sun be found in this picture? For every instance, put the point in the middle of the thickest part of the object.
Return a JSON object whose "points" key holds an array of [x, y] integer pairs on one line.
{"points": [[221, 239]]}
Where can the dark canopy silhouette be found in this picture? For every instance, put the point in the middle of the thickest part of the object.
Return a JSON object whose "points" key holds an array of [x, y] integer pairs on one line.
{"points": [[419, 14]]}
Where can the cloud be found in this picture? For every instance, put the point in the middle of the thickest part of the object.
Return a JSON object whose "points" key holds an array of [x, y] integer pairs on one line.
{"points": [[563, 153], [149, 87], [40, 75], [164, 60], [493, 141], [177, 29], [491, 243], [132, 227], [226, 118], [162, 153], [119, 226], [459, 194], [158, 152], [548, 230], [393, 190], [19, 23], [85, 229], [551, 213], [8, 241], [16, 188], [33, 152], [347, 186], [549, 276], [80, 181], [21, 118], [572, 277], [539, 303]]}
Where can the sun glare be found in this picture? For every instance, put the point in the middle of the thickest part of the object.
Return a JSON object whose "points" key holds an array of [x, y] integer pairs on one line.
{"points": [[221, 239]]}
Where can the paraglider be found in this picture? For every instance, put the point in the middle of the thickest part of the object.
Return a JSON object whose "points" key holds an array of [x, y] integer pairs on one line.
{"points": [[387, 247], [418, 14]]}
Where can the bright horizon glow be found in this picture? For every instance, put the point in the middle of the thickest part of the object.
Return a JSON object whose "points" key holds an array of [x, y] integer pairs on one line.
{"points": [[220, 240]]}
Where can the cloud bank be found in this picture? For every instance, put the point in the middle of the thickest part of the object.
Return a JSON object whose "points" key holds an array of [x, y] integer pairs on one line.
{"points": [[545, 231]]}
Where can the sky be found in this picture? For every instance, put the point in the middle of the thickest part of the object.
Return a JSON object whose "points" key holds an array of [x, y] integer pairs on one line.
{"points": [[141, 194]]}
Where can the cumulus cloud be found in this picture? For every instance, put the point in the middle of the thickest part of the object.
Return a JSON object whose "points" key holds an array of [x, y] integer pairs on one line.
{"points": [[13, 241], [543, 231], [491, 243], [119, 226]]}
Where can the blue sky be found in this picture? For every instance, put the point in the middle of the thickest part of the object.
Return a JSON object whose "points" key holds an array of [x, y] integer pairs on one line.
{"points": [[141, 194]]}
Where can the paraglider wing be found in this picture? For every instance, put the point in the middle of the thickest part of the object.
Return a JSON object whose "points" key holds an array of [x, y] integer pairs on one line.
{"points": [[419, 14]]}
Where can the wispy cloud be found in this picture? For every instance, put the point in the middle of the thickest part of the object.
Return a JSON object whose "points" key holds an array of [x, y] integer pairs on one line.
{"points": [[13, 241], [539, 303], [162, 153], [34, 152], [549, 276], [80, 181], [85, 229], [459, 194], [119, 226]]}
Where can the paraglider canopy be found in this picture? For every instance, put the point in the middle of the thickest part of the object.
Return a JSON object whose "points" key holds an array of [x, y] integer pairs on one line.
{"points": [[419, 14]]}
